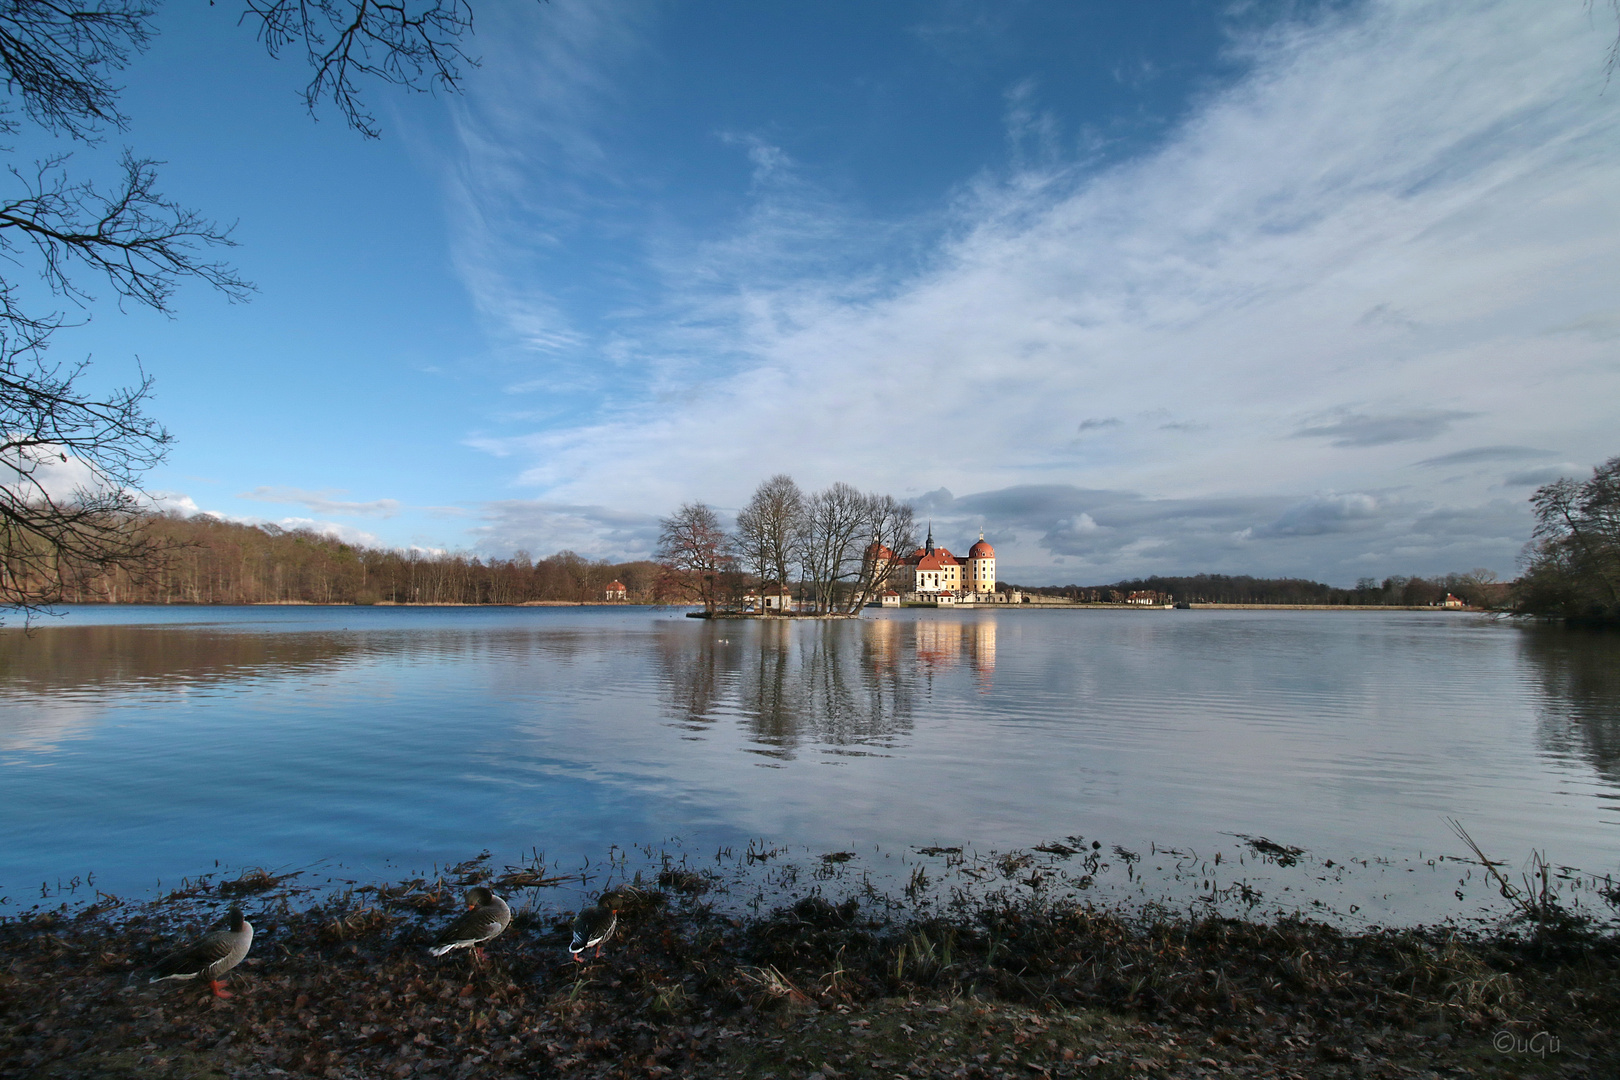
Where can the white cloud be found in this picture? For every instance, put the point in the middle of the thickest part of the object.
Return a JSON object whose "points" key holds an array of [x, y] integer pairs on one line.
{"points": [[1381, 234], [172, 502], [185, 505], [542, 528], [321, 502], [347, 534], [47, 469]]}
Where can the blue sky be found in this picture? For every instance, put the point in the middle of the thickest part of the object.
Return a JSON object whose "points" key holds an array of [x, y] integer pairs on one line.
{"points": [[1270, 288]]}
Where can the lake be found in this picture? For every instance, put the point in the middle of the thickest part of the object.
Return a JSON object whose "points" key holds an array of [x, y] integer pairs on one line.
{"points": [[141, 745]]}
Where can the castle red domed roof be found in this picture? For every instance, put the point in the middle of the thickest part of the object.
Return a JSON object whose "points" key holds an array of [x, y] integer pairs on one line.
{"points": [[981, 550]]}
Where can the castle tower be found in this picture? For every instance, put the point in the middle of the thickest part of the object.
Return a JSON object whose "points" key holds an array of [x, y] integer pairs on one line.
{"points": [[981, 568]]}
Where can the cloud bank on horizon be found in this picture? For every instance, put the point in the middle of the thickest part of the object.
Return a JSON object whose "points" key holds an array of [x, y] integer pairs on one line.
{"points": [[1335, 314]]}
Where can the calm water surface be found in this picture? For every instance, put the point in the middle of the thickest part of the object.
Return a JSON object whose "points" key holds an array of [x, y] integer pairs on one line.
{"points": [[143, 744]]}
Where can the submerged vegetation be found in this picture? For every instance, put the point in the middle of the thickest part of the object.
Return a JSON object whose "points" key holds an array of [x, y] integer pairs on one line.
{"points": [[825, 983]]}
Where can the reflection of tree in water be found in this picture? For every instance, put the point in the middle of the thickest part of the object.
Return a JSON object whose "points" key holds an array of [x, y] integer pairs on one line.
{"points": [[54, 679], [843, 685], [64, 658], [1580, 675], [55, 659], [691, 668]]}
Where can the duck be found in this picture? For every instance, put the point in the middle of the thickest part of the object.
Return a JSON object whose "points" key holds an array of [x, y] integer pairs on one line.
{"points": [[486, 916], [592, 927], [209, 957]]}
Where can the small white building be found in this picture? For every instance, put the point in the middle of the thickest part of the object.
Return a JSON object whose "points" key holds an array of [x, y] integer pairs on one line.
{"points": [[772, 599], [615, 591]]}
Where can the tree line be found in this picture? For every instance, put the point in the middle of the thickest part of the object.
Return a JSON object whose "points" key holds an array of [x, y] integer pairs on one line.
{"points": [[203, 560], [824, 537], [1477, 588]]}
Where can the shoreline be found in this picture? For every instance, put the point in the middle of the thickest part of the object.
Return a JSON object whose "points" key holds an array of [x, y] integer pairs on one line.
{"points": [[1036, 606], [836, 985]]}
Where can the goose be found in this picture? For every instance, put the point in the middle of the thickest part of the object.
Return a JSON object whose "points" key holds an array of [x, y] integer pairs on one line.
{"points": [[209, 957], [486, 916], [593, 926]]}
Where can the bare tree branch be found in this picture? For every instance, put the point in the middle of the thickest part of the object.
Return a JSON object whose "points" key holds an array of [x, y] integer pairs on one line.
{"points": [[57, 58], [141, 242], [414, 45]]}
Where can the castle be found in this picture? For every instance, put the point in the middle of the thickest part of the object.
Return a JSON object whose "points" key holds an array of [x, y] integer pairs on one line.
{"points": [[933, 573]]}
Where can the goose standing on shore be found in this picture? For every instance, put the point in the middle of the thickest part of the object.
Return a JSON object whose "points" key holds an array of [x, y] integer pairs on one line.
{"points": [[209, 957], [593, 926], [486, 916]]}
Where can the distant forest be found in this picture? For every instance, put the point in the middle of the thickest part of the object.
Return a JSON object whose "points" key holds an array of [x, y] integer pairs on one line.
{"points": [[207, 561], [1479, 588], [204, 560]]}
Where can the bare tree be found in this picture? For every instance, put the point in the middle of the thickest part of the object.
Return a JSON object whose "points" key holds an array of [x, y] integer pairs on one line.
{"points": [[1574, 568], [839, 525], [893, 528], [769, 529], [695, 555]]}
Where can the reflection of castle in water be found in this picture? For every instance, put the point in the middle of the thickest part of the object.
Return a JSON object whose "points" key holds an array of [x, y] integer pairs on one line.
{"points": [[850, 687], [932, 646], [1579, 671]]}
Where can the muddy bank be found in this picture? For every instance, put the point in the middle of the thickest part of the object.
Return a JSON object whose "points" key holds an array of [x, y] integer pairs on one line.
{"points": [[342, 986]]}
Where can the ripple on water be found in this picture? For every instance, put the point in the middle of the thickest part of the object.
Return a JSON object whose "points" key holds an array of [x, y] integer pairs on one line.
{"points": [[146, 748]]}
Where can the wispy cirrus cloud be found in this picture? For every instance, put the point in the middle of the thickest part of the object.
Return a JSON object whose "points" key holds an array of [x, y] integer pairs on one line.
{"points": [[1360, 429], [322, 502], [1537, 477], [1398, 205], [1486, 454]]}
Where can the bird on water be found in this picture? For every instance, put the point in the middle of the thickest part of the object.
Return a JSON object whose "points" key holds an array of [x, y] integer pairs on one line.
{"points": [[209, 957], [592, 927], [486, 916]]}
